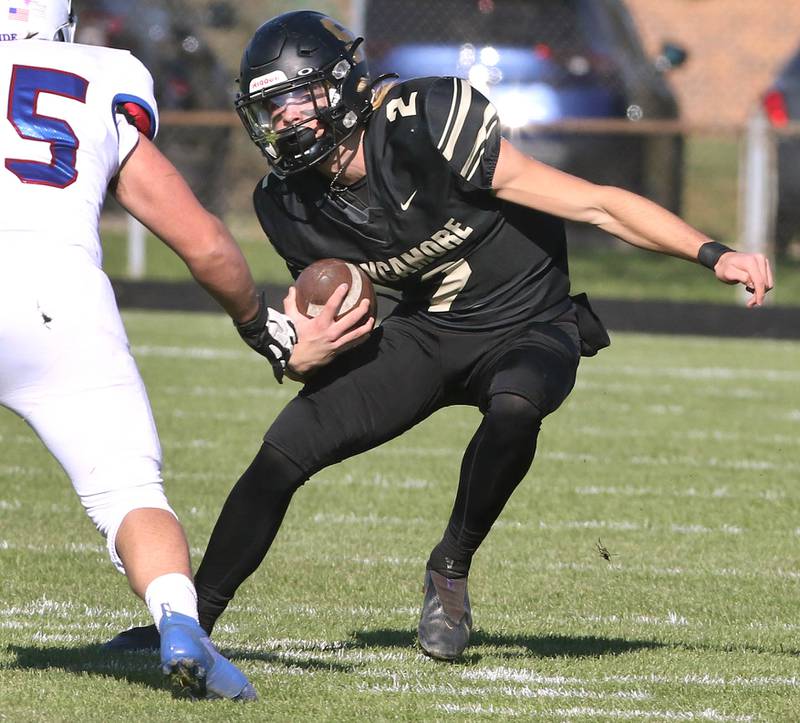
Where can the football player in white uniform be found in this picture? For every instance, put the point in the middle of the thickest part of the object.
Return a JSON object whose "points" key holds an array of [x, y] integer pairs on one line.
{"points": [[80, 121]]}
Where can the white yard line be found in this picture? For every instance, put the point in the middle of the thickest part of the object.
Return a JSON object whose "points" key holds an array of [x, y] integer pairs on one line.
{"points": [[37, 624], [530, 564], [692, 373], [61, 610], [83, 547], [652, 570], [688, 528], [600, 566], [379, 481], [479, 709], [649, 391], [15, 470], [227, 392], [758, 465], [508, 691], [689, 373], [715, 435], [715, 493], [189, 444], [534, 684], [709, 714], [371, 519], [20, 439], [192, 352], [241, 416], [710, 680], [572, 456]]}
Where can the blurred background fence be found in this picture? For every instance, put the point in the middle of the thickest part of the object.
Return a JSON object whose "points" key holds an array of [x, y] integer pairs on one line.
{"points": [[693, 103]]}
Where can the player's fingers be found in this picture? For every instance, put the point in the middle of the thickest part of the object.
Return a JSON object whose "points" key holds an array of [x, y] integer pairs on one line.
{"points": [[757, 280], [767, 271], [355, 335], [753, 286], [352, 317], [290, 302], [328, 313], [736, 272]]}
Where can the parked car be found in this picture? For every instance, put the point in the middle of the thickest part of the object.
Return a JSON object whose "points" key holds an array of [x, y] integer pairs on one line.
{"points": [[541, 61], [165, 35], [782, 105]]}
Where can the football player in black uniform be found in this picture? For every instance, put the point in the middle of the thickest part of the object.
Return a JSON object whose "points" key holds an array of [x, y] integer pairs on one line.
{"points": [[414, 183]]}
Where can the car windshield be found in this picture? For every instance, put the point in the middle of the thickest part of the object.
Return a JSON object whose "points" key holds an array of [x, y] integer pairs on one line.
{"points": [[499, 43], [563, 25]]}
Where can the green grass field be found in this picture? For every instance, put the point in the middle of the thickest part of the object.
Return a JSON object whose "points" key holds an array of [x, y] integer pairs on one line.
{"points": [[613, 273], [680, 455]]}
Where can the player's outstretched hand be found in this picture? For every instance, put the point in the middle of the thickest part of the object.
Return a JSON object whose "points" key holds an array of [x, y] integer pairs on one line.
{"points": [[321, 338], [752, 270]]}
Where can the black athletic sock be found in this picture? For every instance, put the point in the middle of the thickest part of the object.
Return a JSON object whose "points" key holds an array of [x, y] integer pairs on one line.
{"points": [[449, 559], [496, 460], [245, 530]]}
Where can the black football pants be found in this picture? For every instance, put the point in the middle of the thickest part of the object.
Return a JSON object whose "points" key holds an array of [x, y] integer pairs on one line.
{"points": [[403, 373]]}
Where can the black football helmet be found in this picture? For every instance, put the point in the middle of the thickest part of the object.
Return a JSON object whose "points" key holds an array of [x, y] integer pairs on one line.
{"points": [[304, 89]]}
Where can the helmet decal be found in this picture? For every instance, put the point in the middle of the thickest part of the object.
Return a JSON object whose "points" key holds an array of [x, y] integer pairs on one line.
{"points": [[265, 81]]}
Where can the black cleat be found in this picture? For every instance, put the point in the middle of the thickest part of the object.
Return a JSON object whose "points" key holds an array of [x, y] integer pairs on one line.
{"points": [[446, 619], [139, 638]]}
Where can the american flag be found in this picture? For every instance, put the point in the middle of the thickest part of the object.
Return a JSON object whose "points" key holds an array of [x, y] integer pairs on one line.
{"points": [[20, 14]]}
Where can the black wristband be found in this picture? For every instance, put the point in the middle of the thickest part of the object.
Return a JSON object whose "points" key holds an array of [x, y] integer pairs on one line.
{"points": [[258, 322], [710, 253], [271, 334]]}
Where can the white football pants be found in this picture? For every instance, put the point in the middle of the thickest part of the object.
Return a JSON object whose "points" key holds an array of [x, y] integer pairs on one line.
{"points": [[66, 369]]}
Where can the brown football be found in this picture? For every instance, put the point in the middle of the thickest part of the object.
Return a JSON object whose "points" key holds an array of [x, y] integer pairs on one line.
{"points": [[318, 281]]}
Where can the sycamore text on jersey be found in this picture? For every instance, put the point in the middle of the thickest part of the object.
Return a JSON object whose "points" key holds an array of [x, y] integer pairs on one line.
{"points": [[419, 256]]}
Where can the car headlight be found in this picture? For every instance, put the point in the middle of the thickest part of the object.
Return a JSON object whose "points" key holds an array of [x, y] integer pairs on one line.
{"points": [[523, 105]]}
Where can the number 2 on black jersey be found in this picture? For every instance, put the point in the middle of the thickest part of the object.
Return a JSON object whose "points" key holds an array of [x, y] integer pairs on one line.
{"points": [[26, 84]]}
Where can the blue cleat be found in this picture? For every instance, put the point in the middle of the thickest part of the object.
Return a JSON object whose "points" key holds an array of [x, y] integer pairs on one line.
{"points": [[193, 665]]}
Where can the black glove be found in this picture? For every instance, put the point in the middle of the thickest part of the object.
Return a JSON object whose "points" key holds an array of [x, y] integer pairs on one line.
{"points": [[271, 334]]}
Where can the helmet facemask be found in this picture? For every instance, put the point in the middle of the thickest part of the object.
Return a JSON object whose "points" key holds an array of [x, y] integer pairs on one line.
{"points": [[66, 31], [297, 122]]}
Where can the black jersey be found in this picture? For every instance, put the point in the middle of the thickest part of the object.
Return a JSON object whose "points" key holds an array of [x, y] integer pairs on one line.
{"points": [[427, 223]]}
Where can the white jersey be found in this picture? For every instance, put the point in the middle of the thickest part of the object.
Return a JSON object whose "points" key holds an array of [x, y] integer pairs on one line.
{"points": [[65, 364], [63, 139]]}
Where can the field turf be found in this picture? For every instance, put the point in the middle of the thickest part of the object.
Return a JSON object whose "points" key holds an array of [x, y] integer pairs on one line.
{"points": [[677, 458]]}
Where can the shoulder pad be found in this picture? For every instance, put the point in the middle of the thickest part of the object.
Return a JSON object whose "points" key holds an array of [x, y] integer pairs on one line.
{"points": [[464, 127]]}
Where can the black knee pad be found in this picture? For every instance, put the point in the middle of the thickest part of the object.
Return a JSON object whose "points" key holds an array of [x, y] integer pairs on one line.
{"points": [[273, 471], [511, 416]]}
